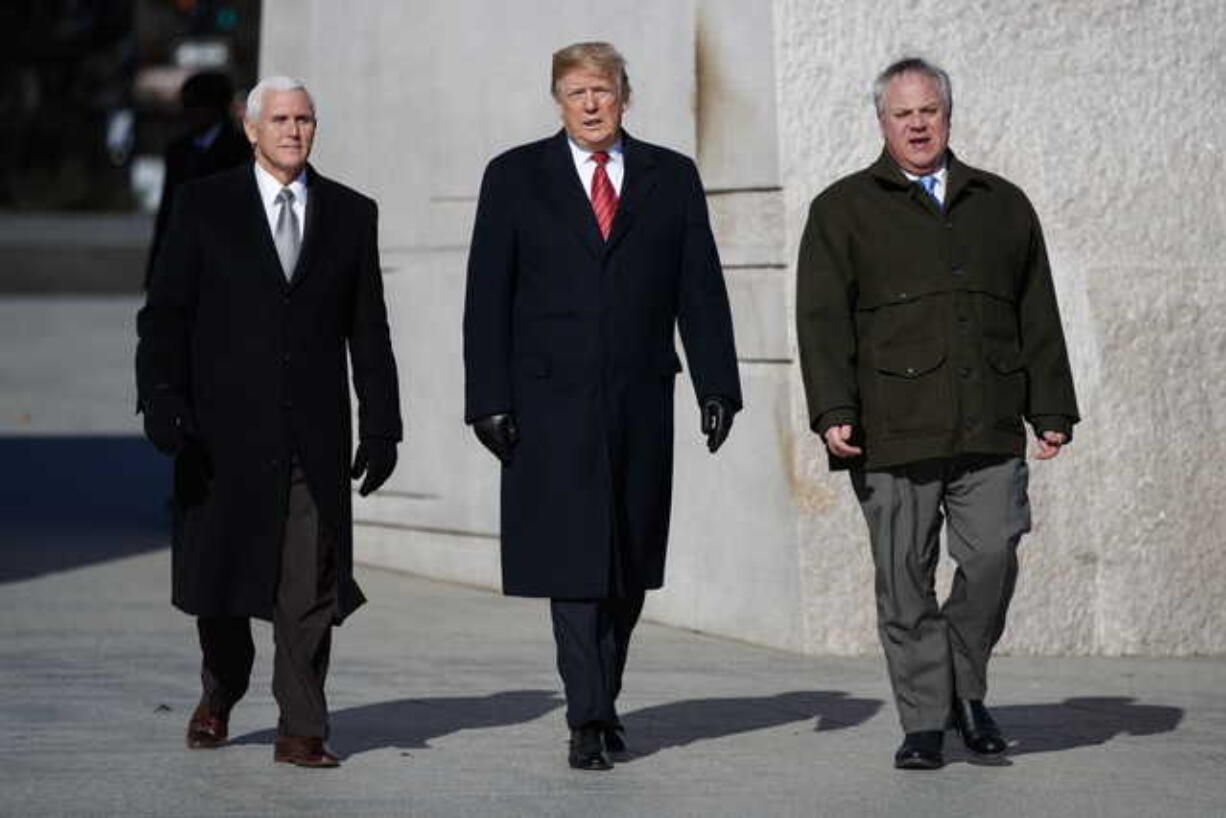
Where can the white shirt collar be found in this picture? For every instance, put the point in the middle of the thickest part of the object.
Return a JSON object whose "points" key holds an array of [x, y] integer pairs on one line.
{"points": [[270, 186], [939, 173], [581, 155], [586, 168], [938, 190]]}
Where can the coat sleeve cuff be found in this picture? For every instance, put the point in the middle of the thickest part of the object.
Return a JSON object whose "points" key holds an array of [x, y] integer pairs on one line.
{"points": [[735, 405], [1053, 423], [843, 415]]}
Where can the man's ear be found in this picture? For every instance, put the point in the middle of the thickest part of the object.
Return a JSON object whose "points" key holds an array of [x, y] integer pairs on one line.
{"points": [[249, 130]]}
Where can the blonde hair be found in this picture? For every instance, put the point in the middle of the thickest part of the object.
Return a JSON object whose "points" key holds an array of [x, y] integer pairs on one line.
{"points": [[600, 57]]}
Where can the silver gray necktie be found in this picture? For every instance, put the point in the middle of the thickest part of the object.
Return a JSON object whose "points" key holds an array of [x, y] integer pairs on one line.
{"points": [[286, 235]]}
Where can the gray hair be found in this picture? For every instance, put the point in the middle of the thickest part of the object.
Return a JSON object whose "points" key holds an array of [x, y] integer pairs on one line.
{"points": [[913, 65], [255, 100]]}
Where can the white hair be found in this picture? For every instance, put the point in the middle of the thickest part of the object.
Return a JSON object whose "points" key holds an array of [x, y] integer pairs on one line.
{"points": [[255, 100]]}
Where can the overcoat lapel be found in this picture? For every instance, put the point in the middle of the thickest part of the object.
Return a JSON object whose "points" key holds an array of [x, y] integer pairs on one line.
{"points": [[317, 206], [567, 196], [255, 221], [637, 185]]}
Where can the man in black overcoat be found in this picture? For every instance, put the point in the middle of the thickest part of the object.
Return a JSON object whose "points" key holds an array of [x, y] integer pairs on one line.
{"points": [[590, 249], [213, 143], [268, 277]]}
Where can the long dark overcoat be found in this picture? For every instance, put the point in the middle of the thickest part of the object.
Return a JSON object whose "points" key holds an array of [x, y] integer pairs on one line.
{"points": [[262, 364], [574, 335]]}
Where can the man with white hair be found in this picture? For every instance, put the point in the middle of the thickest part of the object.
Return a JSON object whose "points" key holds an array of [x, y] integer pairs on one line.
{"points": [[928, 330], [267, 278]]}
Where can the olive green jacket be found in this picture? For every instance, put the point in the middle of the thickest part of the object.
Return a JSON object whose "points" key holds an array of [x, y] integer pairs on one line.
{"points": [[933, 331]]}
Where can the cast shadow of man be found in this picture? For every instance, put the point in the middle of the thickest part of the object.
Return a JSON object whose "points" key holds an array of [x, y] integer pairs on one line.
{"points": [[677, 724], [1082, 721], [413, 723]]}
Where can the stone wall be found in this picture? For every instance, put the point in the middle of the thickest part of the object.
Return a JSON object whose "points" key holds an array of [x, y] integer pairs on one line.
{"points": [[1100, 113]]}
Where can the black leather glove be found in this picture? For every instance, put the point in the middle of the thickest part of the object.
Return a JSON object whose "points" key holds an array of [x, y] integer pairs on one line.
{"points": [[376, 458], [168, 422], [498, 433], [717, 414]]}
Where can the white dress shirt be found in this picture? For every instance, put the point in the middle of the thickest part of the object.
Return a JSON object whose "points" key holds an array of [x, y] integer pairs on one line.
{"points": [[938, 189], [270, 187], [586, 166]]}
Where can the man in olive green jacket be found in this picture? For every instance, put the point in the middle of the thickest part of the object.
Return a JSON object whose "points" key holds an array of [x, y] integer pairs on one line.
{"points": [[928, 330]]}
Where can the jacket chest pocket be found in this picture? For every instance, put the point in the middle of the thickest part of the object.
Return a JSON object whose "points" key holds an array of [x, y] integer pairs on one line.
{"points": [[912, 388]]}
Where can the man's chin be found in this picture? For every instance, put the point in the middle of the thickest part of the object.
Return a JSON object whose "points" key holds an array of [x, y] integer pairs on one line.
{"points": [[926, 163], [593, 140]]}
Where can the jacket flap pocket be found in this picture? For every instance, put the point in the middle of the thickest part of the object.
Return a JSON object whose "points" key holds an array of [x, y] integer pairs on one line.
{"points": [[534, 366], [1005, 360], [911, 361], [883, 293]]}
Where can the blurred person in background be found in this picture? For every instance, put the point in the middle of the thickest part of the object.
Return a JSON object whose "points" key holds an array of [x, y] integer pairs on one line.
{"points": [[213, 143]]}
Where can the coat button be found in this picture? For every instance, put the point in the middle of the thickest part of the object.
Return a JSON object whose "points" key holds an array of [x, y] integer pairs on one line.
{"points": [[970, 422], [285, 358], [288, 403], [965, 371], [911, 372], [958, 271], [902, 295]]}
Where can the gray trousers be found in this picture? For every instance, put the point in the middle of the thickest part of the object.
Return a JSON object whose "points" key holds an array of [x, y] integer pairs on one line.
{"points": [[302, 627], [935, 651]]}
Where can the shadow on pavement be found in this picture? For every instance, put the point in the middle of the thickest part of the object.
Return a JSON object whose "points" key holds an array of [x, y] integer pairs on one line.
{"points": [[412, 723], [67, 502], [678, 724], [1081, 722]]}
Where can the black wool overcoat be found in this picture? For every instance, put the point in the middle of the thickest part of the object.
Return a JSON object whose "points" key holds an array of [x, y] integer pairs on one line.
{"points": [[574, 335], [264, 366]]}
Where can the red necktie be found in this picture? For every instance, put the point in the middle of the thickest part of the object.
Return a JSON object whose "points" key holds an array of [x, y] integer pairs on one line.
{"points": [[604, 197]]}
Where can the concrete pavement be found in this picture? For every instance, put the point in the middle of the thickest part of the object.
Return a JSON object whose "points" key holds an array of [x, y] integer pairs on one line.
{"points": [[446, 703]]}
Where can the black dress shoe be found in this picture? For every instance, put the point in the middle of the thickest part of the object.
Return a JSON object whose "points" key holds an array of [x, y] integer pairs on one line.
{"points": [[977, 728], [615, 740], [920, 751], [587, 750]]}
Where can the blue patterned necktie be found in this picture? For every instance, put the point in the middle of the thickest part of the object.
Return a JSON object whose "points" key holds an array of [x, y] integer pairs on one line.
{"points": [[929, 181]]}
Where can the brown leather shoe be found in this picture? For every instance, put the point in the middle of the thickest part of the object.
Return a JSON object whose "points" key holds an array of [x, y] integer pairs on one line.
{"points": [[304, 751], [207, 730]]}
